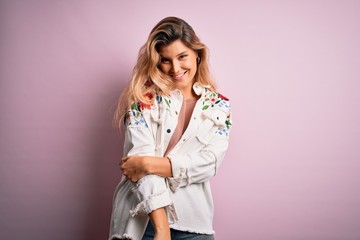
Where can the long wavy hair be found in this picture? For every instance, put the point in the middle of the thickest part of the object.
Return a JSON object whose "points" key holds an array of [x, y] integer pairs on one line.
{"points": [[147, 77]]}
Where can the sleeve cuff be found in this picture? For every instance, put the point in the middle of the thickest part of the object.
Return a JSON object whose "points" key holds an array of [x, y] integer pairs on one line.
{"points": [[154, 202], [179, 168], [152, 193]]}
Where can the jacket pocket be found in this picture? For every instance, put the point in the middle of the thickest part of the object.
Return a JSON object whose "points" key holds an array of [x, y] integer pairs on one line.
{"points": [[213, 119]]}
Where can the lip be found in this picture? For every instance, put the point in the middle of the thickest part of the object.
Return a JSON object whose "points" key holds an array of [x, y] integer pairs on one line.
{"points": [[179, 76]]}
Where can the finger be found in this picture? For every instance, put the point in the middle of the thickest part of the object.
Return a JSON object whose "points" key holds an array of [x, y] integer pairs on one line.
{"points": [[123, 160], [133, 179]]}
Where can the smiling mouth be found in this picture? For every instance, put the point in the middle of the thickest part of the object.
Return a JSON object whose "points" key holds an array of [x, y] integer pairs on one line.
{"points": [[179, 76]]}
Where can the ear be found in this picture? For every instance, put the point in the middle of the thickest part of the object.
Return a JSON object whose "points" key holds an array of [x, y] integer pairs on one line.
{"points": [[198, 58]]}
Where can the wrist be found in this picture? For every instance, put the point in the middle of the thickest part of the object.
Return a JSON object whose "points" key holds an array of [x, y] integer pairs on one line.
{"points": [[160, 166], [148, 162], [159, 220]]}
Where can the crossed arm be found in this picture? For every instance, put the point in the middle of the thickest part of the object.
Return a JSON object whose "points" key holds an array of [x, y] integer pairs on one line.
{"points": [[136, 167]]}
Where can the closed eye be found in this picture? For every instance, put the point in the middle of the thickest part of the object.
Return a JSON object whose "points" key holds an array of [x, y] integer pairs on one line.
{"points": [[183, 56]]}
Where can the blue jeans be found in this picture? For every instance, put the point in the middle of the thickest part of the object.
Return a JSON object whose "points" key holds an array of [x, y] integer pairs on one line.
{"points": [[176, 235]]}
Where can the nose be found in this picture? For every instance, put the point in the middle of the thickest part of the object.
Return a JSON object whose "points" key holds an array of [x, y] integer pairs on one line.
{"points": [[175, 67]]}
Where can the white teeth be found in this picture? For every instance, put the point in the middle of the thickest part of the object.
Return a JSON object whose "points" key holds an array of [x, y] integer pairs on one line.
{"points": [[180, 75]]}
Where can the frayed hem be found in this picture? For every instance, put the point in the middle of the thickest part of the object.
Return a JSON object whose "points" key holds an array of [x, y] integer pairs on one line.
{"points": [[123, 237], [193, 231]]}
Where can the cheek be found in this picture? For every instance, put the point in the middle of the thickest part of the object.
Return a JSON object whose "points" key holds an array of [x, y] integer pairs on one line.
{"points": [[192, 65]]}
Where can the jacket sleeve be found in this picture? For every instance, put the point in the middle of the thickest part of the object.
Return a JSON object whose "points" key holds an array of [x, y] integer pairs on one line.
{"points": [[151, 191], [200, 165]]}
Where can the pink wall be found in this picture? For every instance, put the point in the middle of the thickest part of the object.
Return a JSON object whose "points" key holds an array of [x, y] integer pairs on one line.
{"points": [[292, 170]]}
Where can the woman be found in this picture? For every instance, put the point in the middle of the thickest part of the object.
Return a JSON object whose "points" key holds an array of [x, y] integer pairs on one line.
{"points": [[177, 133]]}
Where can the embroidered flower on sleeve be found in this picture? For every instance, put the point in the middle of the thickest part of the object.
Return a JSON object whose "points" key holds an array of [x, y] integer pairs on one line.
{"points": [[158, 99], [228, 122], [214, 99], [143, 106], [225, 130], [223, 97], [134, 115], [167, 101]]}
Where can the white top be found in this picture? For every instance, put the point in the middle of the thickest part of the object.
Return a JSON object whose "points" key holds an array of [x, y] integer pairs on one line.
{"points": [[194, 160]]}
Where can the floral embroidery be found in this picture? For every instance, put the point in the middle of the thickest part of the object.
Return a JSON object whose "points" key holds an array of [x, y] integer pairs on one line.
{"points": [[222, 131], [158, 99], [223, 97], [228, 122], [225, 130], [167, 101], [214, 99], [134, 115], [143, 106]]}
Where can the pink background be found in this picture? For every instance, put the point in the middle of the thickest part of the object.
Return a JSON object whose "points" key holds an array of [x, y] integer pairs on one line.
{"points": [[291, 69]]}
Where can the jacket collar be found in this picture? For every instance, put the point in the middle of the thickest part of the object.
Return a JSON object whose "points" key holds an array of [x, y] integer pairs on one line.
{"points": [[197, 87]]}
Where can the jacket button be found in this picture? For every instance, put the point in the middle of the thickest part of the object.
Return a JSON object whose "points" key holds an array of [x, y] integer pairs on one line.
{"points": [[168, 131]]}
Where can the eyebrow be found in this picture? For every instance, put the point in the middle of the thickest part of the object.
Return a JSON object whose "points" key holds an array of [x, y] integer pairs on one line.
{"points": [[184, 52]]}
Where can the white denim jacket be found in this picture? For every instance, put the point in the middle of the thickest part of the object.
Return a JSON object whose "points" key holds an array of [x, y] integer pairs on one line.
{"points": [[194, 160]]}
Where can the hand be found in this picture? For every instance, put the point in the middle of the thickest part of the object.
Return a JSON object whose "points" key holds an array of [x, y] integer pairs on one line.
{"points": [[134, 167]]}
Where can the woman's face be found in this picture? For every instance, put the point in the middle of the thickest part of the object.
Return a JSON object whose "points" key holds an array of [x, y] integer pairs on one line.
{"points": [[179, 62]]}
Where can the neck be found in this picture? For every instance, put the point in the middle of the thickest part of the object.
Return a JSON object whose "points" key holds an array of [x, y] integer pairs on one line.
{"points": [[189, 95]]}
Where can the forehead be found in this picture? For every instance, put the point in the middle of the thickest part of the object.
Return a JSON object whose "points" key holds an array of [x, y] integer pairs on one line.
{"points": [[173, 49]]}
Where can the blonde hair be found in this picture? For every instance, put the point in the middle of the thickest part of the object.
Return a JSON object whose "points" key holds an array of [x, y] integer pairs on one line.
{"points": [[147, 77]]}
